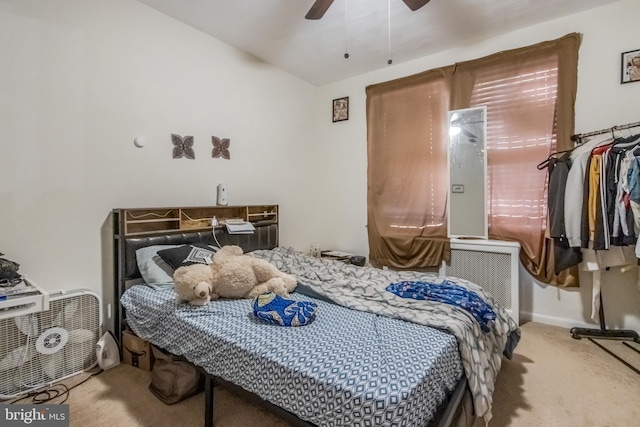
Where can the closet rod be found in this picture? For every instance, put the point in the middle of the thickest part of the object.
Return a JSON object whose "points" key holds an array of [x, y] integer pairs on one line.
{"points": [[579, 136]]}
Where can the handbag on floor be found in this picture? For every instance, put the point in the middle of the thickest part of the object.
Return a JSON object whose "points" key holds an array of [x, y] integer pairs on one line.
{"points": [[173, 378]]}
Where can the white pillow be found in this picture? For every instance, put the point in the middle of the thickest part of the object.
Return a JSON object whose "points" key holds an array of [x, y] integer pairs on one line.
{"points": [[154, 269]]}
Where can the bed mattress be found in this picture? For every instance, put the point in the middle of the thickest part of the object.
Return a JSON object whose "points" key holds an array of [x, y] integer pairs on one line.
{"points": [[346, 368]]}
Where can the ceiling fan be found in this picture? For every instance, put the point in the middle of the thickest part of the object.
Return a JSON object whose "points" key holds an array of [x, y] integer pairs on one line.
{"points": [[320, 7]]}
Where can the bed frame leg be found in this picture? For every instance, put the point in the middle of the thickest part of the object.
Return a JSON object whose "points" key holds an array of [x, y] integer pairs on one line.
{"points": [[208, 401]]}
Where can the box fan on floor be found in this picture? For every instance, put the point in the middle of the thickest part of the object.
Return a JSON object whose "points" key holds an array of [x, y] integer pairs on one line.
{"points": [[44, 346]]}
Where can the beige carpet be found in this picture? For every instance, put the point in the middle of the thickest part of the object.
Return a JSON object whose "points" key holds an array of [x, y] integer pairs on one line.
{"points": [[553, 380]]}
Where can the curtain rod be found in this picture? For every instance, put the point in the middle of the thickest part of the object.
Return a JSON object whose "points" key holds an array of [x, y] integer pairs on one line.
{"points": [[579, 136]]}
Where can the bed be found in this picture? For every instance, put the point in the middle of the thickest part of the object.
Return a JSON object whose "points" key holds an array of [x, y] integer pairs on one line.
{"points": [[366, 359]]}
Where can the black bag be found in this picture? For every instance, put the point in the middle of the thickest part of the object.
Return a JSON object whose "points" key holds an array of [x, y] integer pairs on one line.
{"points": [[173, 378], [8, 272]]}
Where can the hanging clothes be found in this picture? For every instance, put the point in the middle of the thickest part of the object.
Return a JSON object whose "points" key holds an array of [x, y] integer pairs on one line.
{"points": [[574, 193], [602, 182], [558, 172], [620, 212], [594, 231], [564, 255], [633, 179]]}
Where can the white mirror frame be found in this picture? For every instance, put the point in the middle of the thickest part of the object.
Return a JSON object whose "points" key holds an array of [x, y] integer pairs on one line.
{"points": [[473, 212]]}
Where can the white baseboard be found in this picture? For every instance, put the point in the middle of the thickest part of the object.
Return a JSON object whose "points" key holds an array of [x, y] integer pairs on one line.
{"points": [[555, 321]]}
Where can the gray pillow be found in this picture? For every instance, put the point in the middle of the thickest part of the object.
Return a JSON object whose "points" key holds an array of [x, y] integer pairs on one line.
{"points": [[154, 269]]}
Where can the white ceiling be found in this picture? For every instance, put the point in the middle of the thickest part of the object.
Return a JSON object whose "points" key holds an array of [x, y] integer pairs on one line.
{"points": [[276, 32]]}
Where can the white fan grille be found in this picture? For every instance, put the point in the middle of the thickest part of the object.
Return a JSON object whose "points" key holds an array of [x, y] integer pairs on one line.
{"points": [[490, 270], [40, 348]]}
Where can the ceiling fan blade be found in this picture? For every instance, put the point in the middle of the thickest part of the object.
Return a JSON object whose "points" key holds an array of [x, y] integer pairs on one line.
{"points": [[318, 9], [415, 4]]}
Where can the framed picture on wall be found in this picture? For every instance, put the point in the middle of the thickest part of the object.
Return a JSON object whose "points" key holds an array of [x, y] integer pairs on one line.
{"points": [[631, 66], [341, 109]]}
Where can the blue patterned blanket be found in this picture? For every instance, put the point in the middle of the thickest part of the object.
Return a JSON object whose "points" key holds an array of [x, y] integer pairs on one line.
{"points": [[346, 368]]}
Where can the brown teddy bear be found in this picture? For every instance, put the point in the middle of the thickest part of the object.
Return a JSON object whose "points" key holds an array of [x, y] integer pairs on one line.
{"points": [[230, 275]]}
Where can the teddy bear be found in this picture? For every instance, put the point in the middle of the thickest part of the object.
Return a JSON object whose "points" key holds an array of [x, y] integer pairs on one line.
{"points": [[193, 283], [230, 275]]}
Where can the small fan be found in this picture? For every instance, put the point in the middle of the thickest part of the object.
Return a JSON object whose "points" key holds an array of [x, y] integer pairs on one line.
{"points": [[319, 7], [40, 348]]}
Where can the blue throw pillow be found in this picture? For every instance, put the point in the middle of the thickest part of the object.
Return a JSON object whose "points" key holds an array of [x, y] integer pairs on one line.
{"points": [[272, 308]]}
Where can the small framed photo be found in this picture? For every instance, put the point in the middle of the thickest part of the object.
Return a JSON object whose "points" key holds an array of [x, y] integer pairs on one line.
{"points": [[341, 109], [631, 66]]}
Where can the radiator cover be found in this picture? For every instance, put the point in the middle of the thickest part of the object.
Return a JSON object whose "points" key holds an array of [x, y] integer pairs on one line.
{"points": [[491, 264]]}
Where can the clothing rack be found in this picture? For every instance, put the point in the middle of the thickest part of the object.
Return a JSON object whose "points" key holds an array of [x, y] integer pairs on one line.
{"points": [[578, 137], [610, 334], [603, 333]]}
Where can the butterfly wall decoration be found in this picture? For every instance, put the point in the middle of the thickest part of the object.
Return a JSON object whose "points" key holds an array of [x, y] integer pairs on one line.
{"points": [[220, 147], [182, 147]]}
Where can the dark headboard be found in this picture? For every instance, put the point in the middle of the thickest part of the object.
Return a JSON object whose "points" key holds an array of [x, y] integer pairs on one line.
{"points": [[126, 242], [265, 237]]}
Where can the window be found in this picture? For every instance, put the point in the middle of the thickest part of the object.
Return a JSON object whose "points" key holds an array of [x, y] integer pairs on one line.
{"points": [[529, 94], [521, 103]]}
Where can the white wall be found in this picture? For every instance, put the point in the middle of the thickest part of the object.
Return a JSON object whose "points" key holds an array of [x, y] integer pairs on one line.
{"points": [[79, 80], [601, 102]]}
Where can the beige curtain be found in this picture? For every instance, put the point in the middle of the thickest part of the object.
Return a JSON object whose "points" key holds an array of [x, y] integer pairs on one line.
{"points": [[530, 95], [407, 167]]}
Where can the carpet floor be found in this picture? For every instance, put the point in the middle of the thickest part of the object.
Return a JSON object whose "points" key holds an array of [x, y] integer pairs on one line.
{"points": [[553, 380]]}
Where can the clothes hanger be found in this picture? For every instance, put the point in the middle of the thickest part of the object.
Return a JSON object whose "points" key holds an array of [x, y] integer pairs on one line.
{"points": [[636, 151], [545, 163], [627, 142]]}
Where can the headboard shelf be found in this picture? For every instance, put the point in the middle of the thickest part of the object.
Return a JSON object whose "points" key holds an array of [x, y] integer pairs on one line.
{"points": [[262, 212], [150, 221]]}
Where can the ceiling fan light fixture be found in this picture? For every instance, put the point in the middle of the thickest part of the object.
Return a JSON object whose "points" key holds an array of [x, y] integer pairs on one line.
{"points": [[318, 9], [346, 29], [389, 28], [415, 4]]}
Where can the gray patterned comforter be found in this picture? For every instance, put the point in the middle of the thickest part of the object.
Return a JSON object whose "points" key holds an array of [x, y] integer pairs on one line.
{"points": [[363, 288]]}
